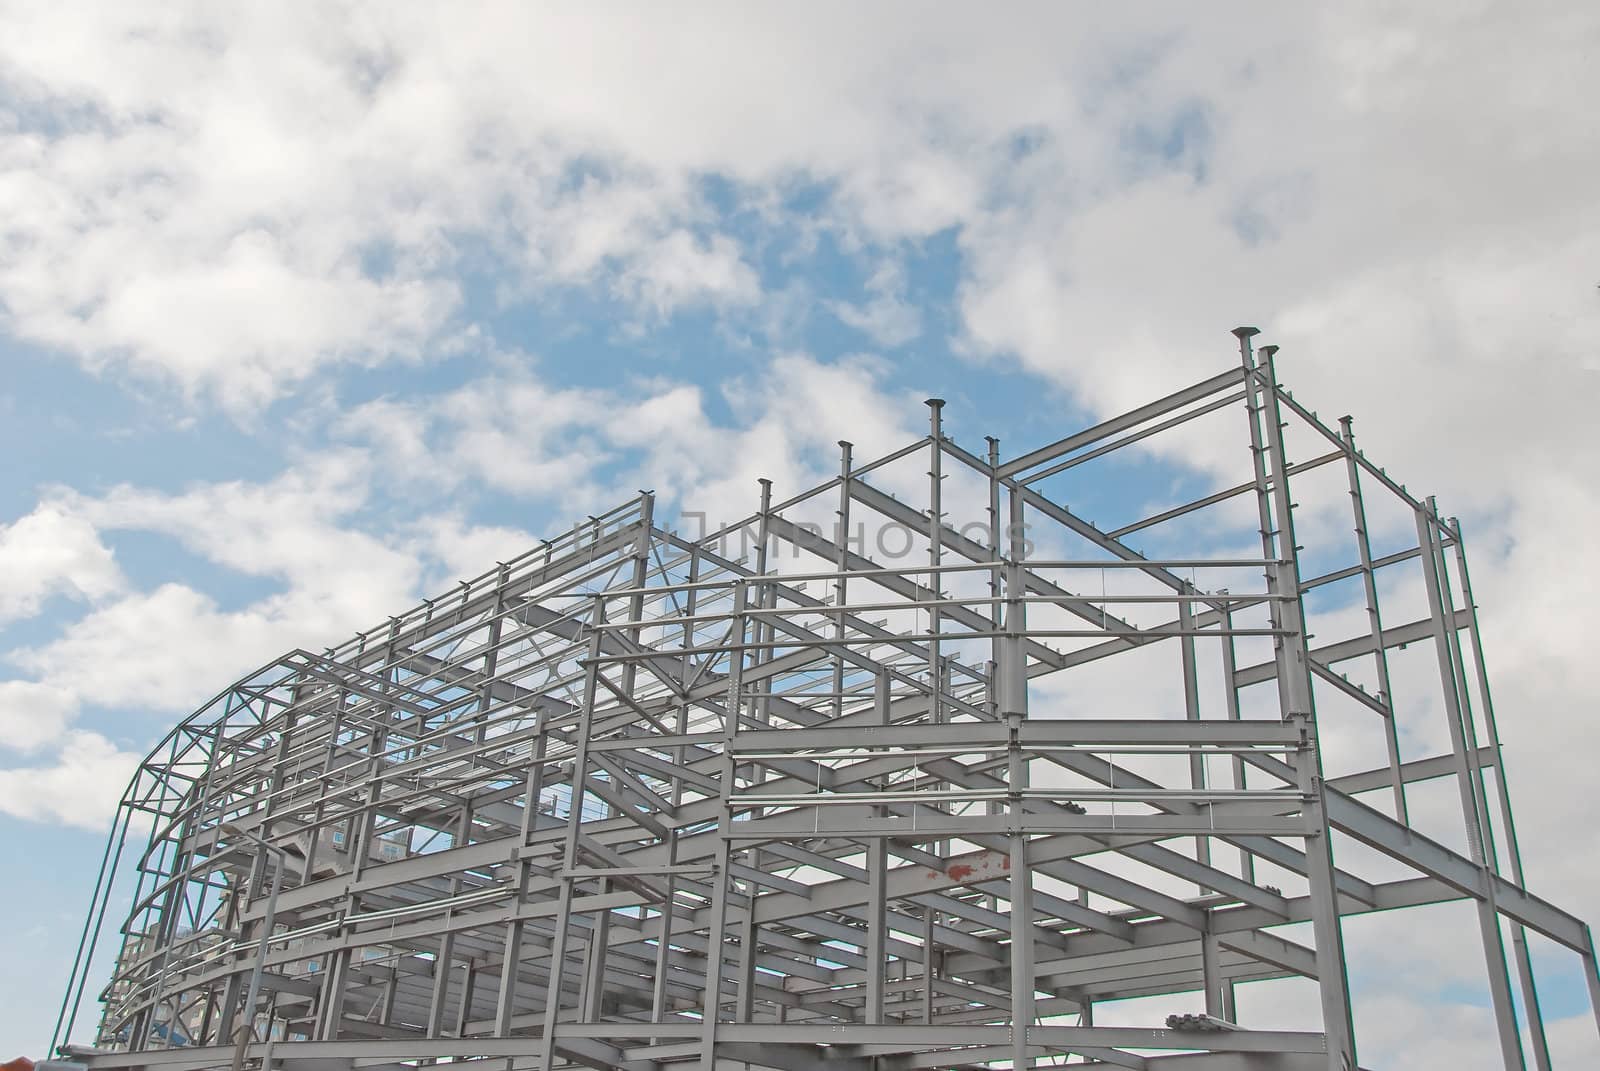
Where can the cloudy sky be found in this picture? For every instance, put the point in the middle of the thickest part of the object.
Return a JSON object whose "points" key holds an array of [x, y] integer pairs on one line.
{"points": [[307, 310]]}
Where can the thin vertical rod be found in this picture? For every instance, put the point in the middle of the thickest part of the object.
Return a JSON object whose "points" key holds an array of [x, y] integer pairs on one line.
{"points": [[1519, 935], [578, 788], [1380, 653], [447, 943], [1458, 671], [658, 994], [1014, 707], [842, 563], [1218, 993], [723, 877], [996, 612], [1294, 690], [1191, 708], [1022, 975], [877, 893], [1247, 859], [935, 556], [81, 963], [1488, 915], [927, 964]]}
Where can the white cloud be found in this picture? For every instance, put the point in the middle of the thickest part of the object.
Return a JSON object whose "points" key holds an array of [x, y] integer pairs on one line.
{"points": [[587, 449], [1427, 274], [887, 317], [253, 318], [32, 714], [50, 551], [464, 550], [243, 197], [681, 270], [169, 649], [507, 431], [81, 788], [246, 195], [294, 527]]}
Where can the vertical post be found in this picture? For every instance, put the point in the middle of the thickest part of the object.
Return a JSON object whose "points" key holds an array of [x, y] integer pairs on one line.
{"points": [[1014, 708], [876, 923], [252, 885], [877, 892], [1591, 975], [1191, 708], [749, 933], [563, 918], [442, 963], [469, 981], [1219, 992], [1380, 654], [1469, 731], [935, 548], [764, 628], [365, 830], [390, 987], [936, 666], [1519, 936], [1012, 664], [447, 944], [1247, 859], [511, 956], [641, 574], [139, 935], [996, 574], [334, 982], [996, 615], [594, 975], [1294, 688], [722, 877], [98, 905], [764, 631], [1494, 952], [247, 1027], [658, 993], [658, 988], [184, 861], [329, 755], [591, 1000], [1022, 978], [841, 590]]}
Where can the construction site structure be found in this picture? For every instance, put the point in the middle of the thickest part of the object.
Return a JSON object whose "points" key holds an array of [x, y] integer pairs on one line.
{"points": [[855, 782]]}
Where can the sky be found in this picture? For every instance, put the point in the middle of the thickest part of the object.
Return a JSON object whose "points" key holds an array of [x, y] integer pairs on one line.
{"points": [[309, 309]]}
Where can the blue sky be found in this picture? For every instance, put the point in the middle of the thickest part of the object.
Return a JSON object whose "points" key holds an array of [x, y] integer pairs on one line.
{"points": [[306, 313]]}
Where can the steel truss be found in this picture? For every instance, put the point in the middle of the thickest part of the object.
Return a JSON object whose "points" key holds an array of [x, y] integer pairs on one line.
{"points": [[780, 794]]}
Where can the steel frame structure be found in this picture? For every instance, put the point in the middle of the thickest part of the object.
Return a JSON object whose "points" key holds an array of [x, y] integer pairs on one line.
{"points": [[643, 800]]}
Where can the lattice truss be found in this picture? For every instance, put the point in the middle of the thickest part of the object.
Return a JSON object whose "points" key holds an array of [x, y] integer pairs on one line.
{"points": [[853, 781]]}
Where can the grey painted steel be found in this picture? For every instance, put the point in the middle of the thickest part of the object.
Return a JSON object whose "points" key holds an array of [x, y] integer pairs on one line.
{"points": [[824, 785]]}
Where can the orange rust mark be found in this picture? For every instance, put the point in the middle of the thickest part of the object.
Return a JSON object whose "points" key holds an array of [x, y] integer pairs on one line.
{"points": [[960, 872]]}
